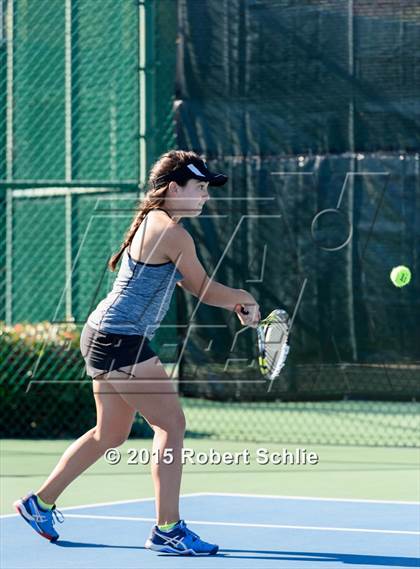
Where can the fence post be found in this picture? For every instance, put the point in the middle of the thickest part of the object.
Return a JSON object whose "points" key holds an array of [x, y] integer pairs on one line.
{"points": [[146, 20]]}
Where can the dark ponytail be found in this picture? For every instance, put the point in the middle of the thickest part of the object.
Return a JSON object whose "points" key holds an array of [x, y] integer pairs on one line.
{"points": [[155, 195]]}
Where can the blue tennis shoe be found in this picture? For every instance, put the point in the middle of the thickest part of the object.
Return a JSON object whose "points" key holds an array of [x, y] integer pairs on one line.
{"points": [[42, 521], [179, 540]]}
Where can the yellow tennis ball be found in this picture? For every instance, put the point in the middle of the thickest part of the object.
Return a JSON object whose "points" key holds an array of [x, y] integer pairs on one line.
{"points": [[400, 276]]}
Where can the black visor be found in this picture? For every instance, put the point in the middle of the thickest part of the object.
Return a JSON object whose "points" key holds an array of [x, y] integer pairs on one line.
{"points": [[197, 171]]}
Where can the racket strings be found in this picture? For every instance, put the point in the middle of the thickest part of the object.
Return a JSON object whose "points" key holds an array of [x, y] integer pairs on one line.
{"points": [[274, 346]]}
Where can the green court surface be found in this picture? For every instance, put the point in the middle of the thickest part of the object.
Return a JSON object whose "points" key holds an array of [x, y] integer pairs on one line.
{"points": [[342, 472], [343, 423]]}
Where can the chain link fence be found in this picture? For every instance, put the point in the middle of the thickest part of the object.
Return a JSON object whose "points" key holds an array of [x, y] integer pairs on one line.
{"points": [[87, 102], [86, 105]]}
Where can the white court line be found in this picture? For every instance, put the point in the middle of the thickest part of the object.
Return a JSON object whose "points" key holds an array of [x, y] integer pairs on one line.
{"points": [[244, 525], [124, 502], [99, 504], [315, 498], [270, 496]]}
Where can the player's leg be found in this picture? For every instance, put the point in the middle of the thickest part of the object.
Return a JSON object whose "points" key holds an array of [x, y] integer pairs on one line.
{"points": [[114, 420], [146, 387]]}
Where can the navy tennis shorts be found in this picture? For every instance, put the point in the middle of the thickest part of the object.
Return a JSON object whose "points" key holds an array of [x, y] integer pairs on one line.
{"points": [[105, 351]]}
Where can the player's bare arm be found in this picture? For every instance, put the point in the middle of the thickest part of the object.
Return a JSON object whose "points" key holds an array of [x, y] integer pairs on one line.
{"points": [[182, 251]]}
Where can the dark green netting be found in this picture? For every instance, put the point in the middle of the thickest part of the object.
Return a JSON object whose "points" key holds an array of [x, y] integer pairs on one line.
{"points": [[308, 107]]}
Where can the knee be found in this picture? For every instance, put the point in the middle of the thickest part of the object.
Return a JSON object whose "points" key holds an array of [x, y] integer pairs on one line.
{"points": [[175, 423], [181, 422], [109, 440]]}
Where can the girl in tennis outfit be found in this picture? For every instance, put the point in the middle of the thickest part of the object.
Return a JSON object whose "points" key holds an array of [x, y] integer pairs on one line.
{"points": [[157, 254]]}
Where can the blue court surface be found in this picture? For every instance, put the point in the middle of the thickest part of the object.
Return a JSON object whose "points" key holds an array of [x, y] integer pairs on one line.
{"points": [[252, 532]]}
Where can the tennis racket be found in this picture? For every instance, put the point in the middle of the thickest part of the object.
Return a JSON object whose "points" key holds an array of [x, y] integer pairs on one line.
{"points": [[273, 347]]}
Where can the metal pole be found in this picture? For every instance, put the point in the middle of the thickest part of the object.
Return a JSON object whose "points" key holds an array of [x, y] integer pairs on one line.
{"points": [[150, 81], [9, 252], [68, 160], [146, 87], [350, 193], [67, 90], [9, 160], [142, 93]]}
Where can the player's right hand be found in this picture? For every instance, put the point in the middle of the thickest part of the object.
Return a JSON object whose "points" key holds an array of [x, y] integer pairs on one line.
{"points": [[249, 314]]}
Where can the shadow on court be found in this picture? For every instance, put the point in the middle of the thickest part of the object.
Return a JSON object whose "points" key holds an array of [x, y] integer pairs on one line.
{"points": [[345, 558], [378, 560]]}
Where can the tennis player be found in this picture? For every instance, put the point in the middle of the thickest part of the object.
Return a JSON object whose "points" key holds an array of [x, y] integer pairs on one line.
{"points": [[157, 254]]}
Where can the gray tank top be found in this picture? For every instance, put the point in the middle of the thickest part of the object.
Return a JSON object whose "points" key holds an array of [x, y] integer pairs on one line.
{"points": [[139, 298]]}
